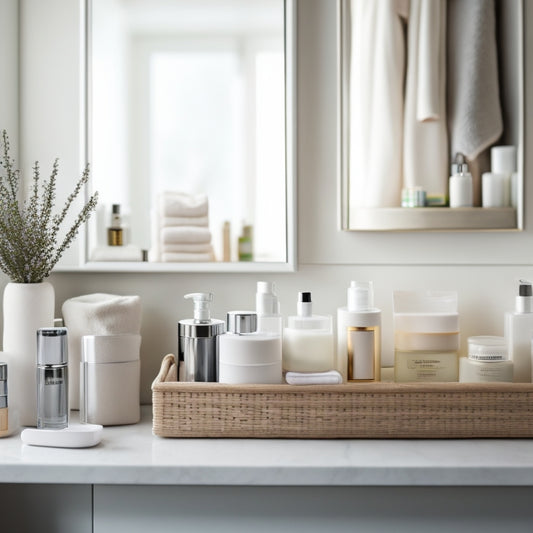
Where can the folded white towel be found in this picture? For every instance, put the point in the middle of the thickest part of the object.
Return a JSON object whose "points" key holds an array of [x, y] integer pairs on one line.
{"points": [[177, 204], [184, 221], [185, 235], [96, 314], [129, 252], [331, 377], [186, 248], [186, 258]]}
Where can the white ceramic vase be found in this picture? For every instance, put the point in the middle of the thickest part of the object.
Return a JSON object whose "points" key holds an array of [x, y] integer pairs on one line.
{"points": [[27, 307]]}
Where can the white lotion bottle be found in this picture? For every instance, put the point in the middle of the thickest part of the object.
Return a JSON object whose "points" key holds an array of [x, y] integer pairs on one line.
{"points": [[461, 184], [308, 339], [519, 331], [269, 319], [246, 356], [359, 335]]}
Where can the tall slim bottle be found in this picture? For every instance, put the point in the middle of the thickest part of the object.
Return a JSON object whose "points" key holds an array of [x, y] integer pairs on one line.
{"points": [[519, 331], [359, 335]]}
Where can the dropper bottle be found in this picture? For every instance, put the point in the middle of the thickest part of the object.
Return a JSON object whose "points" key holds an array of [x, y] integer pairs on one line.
{"points": [[461, 185], [198, 341], [359, 335], [308, 339]]}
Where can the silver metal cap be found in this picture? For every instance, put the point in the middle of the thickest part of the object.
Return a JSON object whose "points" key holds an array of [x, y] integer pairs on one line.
{"points": [[241, 321], [3, 371], [52, 346]]}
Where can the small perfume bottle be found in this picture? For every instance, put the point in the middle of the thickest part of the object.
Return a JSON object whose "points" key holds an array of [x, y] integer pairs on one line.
{"points": [[4, 429], [115, 233], [52, 378]]}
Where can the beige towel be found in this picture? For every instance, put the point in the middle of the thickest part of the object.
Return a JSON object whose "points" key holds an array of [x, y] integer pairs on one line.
{"points": [[177, 204], [186, 248], [185, 221], [474, 110], [186, 258], [185, 235]]}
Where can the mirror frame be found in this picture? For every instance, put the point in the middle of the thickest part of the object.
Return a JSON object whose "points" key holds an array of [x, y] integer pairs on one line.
{"points": [[428, 219], [290, 265]]}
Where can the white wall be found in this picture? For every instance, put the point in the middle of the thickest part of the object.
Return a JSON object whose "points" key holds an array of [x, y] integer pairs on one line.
{"points": [[482, 267]]}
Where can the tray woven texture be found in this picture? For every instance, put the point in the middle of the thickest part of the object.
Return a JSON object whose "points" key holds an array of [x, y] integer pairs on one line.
{"points": [[368, 410]]}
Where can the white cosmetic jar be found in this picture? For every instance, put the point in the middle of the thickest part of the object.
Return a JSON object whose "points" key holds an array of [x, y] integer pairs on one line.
{"points": [[487, 361], [110, 375]]}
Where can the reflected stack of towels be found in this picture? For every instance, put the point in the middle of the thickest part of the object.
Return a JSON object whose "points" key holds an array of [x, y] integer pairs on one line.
{"points": [[181, 228]]}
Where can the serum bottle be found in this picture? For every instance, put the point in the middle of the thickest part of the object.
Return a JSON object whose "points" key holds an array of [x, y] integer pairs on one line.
{"points": [[359, 335], [4, 426], [115, 232], [269, 319], [52, 378], [518, 332]]}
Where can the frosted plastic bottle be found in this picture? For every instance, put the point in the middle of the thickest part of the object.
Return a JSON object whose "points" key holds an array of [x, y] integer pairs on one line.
{"points": [[308, 340], [359, 335]]}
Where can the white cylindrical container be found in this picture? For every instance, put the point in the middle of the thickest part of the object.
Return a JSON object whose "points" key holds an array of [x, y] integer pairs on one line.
{"points": [[110, 374], [246, 356], [358, 335], [503, 159], [308, 340], [487, 361], [461, 190], [495, 189]]}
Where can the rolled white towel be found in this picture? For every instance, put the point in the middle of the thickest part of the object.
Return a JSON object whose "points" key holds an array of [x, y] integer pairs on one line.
{"points": [[187, 258], [186, 248], [129, 252], [331, 377], [177, 204], [184, 221], [185, 235], [96, 314]]}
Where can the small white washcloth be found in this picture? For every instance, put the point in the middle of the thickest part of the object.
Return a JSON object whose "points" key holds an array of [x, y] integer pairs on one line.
{"points": [[184, 221], [185, 235], [129, 252], [96, 314], [474, 110], [331, 377], [186, 248], [186, 257], [177, 204]]}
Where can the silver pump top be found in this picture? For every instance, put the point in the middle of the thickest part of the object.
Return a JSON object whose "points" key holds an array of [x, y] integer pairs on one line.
{"points": [[52, 347], [524, 300], [241, 322], [266, 299], [459, 166], [304, 307], [202, 305], [360, 296]]}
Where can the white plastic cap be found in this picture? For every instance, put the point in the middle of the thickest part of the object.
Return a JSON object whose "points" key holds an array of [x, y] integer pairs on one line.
{"points": [[487, 348], [360, 296], [266, 300], [202, 302], [304, 306], [524, 300]]}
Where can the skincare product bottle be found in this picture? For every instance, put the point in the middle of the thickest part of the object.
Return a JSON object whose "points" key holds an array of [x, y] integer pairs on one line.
{"points": [[519, 331], [308, 339], [461, 185], [4, 420], [52, 378], [115, 232], [269, 319], [246, 247], [359, 335], [198, 341], [486, 362], [426, 336], [226, 241], [110, 377], [246, 356]]}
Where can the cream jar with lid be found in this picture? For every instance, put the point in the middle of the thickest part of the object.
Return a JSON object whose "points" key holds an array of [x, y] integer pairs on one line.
{"points": [[246, 356], [487, 361]]}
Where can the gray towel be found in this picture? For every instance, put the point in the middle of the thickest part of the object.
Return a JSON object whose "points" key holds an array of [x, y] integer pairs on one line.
{"points": [[474, 111]]}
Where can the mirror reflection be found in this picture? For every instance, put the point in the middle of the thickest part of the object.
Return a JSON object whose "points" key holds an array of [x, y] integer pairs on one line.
{"points": [[187, 130], [432, 105]]}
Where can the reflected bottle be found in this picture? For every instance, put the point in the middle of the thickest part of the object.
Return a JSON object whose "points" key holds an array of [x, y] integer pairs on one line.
{"points": [[52, 378]]}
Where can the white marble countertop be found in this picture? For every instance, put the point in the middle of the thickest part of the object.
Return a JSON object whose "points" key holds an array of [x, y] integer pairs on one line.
{"points": [[131, 455]]}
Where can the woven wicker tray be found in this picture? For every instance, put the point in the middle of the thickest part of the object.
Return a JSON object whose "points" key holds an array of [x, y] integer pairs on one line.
{"points": [[370, 410]]}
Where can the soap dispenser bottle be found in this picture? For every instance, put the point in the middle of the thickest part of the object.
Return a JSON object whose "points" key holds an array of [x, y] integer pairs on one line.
{"points": [[461, 184], [359, 335], [198, 341], [519, 331], [269, 319], [308, 339]]}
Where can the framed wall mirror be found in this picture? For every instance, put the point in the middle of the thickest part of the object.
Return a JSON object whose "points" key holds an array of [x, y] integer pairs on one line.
{"points": [[424, 85], [191, 134]]}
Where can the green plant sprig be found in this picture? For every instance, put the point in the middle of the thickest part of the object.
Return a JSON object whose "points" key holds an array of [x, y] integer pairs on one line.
{"points": [[29, 229]]}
